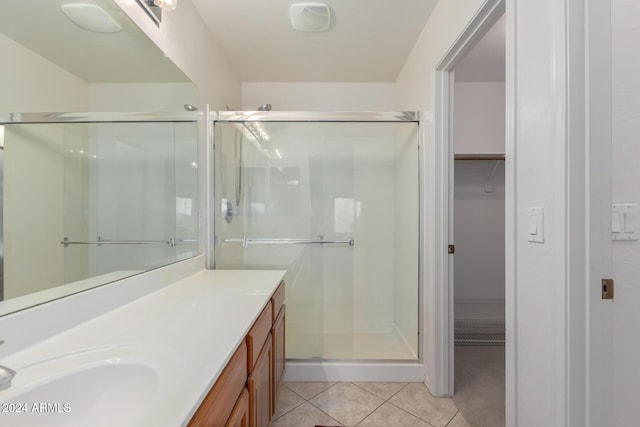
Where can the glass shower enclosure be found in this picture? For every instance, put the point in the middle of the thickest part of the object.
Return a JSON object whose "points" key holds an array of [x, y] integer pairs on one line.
{"points": [[333, 199]]}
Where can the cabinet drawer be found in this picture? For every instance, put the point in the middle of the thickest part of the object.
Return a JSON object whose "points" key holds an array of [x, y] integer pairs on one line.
{"points": [[221, 399], [258, 335], [277, 299]]}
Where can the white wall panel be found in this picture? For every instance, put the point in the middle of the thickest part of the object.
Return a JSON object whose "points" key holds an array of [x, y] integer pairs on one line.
{"points": [[625, 180]]}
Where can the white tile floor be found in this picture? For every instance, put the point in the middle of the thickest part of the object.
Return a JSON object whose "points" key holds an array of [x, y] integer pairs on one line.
{"points": [[368, 404]]}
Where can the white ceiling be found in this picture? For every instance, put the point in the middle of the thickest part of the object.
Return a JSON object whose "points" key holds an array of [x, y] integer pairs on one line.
{"points": [[485, 62], [369, 40]]}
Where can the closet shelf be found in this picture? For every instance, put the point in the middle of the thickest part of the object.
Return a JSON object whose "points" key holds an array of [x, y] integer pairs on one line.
{"points": [[483, 156]]}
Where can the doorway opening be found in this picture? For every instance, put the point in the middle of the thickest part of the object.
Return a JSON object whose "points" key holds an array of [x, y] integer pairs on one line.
{"points": [[477, 227]]}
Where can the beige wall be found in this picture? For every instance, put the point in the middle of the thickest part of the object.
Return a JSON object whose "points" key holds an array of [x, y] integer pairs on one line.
{"points": [[185, 39], [33, 206], [30, 83], [319, 96], [150, 97], [414, 86]]}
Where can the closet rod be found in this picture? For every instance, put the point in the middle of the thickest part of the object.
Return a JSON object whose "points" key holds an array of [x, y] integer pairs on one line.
{"points": [[479, 156]]}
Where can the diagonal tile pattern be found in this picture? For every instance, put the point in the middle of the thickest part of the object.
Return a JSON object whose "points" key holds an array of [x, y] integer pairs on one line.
{"points": [[382, 390], [287, 400], [347, 403], [416, 399], [364, 404], [305, 415], [388, 415], [308, 390]]}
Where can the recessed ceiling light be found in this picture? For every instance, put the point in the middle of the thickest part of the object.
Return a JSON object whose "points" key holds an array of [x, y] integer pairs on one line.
{"points": [[91, 17], [310, 17]]}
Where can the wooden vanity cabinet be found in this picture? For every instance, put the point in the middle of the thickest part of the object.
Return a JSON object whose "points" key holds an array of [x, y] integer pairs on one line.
{"points": [[277, 332], [245, 393]]}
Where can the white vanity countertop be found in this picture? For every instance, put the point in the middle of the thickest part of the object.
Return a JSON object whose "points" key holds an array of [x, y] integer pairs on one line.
{"points": [[188, 331]]}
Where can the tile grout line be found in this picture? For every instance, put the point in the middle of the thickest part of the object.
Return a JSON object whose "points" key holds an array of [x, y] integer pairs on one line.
{"points": [[295, 407], [320, 409], [311, 403], [414, 415], [454, 415], [290, 410], [402, 388], [308, 401], [376, 408], [315, 395], [383, 401], [362, 389]]}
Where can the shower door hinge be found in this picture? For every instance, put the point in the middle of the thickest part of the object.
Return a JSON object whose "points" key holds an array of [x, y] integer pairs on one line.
{"points": [[452, 249], [607, 289]]}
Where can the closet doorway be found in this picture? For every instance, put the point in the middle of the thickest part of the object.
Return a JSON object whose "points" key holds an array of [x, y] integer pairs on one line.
{"points": [[478, 279]]}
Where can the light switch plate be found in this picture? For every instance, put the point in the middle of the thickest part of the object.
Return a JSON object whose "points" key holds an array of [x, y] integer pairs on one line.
{"points": [[535, 224], [624, 221]]}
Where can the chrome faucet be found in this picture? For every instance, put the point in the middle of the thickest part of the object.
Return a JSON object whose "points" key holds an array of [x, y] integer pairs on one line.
{"points": [[6, 375]]}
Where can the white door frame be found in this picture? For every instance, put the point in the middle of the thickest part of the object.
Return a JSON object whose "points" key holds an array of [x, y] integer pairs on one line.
{"points": [[584, 380], [599, 313], [440, 352]]}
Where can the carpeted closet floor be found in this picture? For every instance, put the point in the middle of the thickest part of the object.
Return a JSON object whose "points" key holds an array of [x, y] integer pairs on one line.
{"points": [[479, 385]]}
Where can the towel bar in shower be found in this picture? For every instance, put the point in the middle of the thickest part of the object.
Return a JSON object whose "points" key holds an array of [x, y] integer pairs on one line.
{"points": [[247, 242]]}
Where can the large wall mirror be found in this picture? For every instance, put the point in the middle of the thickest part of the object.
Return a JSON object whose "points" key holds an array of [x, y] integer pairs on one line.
{"points": [[98, 157]]}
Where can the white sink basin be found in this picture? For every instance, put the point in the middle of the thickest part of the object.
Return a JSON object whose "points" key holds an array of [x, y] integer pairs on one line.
{"points": [[115, 386]]}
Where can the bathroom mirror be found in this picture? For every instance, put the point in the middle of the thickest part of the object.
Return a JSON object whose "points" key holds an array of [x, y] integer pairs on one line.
{"points": [[105, 192]]}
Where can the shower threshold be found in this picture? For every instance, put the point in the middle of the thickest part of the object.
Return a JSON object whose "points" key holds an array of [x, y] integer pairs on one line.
{"points": [[315, 370]]}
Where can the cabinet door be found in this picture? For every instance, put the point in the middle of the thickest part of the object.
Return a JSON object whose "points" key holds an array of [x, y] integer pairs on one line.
{"points": [[260, 385], [278, 356], [240, 415]]}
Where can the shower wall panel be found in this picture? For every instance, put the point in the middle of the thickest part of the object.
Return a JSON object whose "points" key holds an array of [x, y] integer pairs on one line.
{"points": [[325, 182]]}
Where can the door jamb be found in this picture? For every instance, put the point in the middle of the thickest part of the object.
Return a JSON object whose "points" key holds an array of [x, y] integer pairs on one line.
{"points": [[442, 383]]}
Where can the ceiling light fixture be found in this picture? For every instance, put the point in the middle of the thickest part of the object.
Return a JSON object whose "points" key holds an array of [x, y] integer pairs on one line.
{"points": [[167, 5], [310, 17], [91, 17]]}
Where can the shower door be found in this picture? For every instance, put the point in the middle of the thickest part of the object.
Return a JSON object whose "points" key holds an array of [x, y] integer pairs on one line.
{"points": [[335, 204]]}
